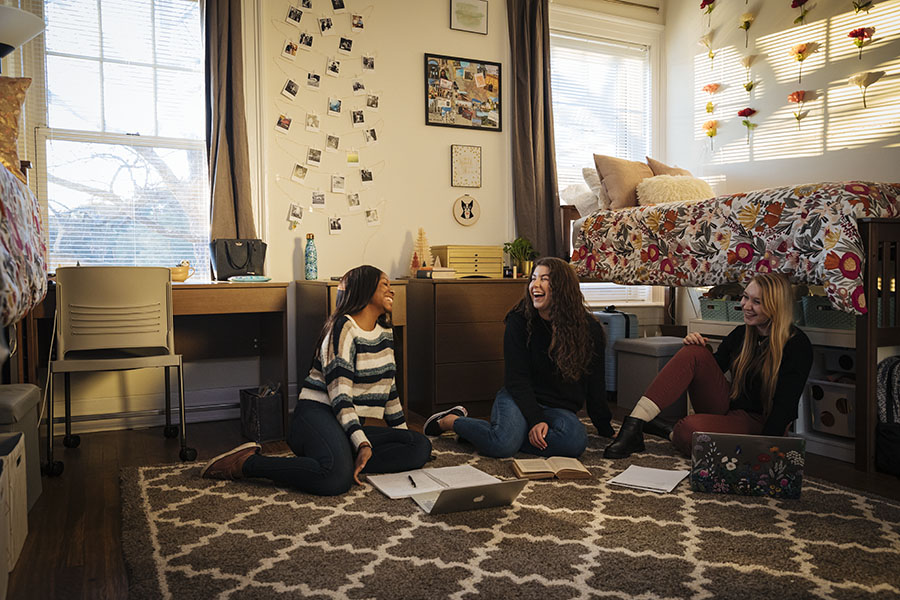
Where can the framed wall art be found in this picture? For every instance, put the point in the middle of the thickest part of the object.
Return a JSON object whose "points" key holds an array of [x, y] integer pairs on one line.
{"points": [[460, 92], [465, 166], [469, 15]]}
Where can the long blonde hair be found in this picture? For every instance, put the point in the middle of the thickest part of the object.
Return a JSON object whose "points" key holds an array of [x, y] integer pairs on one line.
{"points": [[777, 302]]}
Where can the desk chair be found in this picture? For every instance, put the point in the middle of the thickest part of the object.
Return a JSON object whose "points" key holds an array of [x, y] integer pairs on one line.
{"points": [[113, 319]]}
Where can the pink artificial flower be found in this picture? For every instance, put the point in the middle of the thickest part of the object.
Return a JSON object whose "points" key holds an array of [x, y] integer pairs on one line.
{"points": [[798, 97], [800, 52], [860, 36], [711, 88]]}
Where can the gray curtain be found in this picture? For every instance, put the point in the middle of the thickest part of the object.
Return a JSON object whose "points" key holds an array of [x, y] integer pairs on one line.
{"points": [[231, 214], [538, 215]]}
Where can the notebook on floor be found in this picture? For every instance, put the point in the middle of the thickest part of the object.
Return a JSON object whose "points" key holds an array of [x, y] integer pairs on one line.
{"points": [[501, 493], [748, 465]]}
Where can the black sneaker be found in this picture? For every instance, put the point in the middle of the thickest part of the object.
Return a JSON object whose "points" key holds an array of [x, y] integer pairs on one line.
{"points": [[432, 427]]}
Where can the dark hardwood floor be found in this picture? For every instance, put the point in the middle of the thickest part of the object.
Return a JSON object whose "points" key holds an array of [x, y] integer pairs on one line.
{"points": [[74, 550]]}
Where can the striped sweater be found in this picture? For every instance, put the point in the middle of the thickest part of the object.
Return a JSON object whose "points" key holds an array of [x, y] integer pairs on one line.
{"points": [[353, 372]]}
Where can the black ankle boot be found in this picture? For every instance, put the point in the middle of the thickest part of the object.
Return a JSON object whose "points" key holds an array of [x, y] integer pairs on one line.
{"points": [[629, 440], [658, 427]]}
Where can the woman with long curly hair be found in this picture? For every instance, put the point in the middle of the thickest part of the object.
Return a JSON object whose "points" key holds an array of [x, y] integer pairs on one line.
{"points": [[769, 360], [553, 367]]}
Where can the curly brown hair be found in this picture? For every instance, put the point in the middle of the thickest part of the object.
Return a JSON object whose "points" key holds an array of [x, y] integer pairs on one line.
{"points": [[571, 344]]}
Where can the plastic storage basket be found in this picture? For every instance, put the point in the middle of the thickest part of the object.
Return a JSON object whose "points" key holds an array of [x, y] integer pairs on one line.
{"points": [[818, 312], [833, 407], [720, 310]]}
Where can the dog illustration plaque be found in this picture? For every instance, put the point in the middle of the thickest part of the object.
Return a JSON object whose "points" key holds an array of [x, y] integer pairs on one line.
{"points": [[466, 210]]}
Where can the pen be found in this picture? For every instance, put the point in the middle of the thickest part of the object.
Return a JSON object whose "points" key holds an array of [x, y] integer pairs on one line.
{"points": [[411, 480]]}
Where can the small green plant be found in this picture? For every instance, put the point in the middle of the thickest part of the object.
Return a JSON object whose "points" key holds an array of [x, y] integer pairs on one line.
{"points": [[520, 249]]}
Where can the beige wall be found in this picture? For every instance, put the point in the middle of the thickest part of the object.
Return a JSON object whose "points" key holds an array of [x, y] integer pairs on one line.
{"points": [[411, 161]]}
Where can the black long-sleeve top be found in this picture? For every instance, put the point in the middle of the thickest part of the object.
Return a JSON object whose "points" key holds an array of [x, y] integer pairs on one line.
{"points": [[796, 361], [532, 378]]}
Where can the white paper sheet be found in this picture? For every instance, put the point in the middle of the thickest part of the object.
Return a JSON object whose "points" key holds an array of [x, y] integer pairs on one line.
{"points": [[398, 485], [652, 480]]}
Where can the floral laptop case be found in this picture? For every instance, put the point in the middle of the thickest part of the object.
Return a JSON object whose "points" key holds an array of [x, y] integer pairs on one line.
{"points": [[748, 465]]}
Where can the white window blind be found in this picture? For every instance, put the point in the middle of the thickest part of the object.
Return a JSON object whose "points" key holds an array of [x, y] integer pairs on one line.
{"points": [[601, 102], [122, 162], [601, 94]]}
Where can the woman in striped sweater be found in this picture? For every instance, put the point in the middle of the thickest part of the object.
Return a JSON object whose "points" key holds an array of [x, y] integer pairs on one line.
{"points": [[351, 378]]}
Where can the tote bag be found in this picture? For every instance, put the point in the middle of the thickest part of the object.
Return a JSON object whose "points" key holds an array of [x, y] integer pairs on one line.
{"points": [[237, 257]]}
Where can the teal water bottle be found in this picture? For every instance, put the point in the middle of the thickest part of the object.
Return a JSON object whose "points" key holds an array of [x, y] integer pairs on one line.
{"points": [[311, 257]]}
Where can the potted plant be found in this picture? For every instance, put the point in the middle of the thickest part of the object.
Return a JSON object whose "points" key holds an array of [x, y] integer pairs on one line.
{"points": [[522, 254]]}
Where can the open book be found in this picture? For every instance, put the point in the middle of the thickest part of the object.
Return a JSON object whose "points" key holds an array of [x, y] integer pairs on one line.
{"points": [[561, 467], [422, 481]]}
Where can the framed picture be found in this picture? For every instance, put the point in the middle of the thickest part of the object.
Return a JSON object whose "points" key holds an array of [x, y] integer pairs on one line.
{"points": [[460, 92], [465, 166], [469, 15]]}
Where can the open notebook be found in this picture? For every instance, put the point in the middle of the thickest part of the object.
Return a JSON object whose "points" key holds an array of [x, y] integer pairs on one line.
{"points": [[422, 481]]}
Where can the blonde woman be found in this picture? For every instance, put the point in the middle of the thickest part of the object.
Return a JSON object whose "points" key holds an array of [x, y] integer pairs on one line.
{"points": [[769, 360]]}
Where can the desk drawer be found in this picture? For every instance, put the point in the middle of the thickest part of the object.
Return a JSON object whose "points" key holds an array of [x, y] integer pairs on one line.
{"points": [[468, 342], [464, 383], [476, 302], [199, 301]]}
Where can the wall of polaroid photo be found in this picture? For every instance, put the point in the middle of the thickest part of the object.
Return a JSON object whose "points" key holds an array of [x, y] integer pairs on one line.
{"points": [[344, 138]]}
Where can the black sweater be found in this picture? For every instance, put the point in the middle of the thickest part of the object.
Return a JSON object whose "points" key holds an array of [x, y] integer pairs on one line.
{"points": [[532, 378], [796, 361]]}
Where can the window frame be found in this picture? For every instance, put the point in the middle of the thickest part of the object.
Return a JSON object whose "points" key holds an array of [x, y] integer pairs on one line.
{"points": [[571, 21]]}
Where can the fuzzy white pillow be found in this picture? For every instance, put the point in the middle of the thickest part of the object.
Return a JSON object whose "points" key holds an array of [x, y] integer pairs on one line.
{"points": [[580, 197], [593, 181], [672, 188]]}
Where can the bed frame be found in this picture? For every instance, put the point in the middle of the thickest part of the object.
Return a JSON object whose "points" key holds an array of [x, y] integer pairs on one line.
{"points": [[881, 240]]}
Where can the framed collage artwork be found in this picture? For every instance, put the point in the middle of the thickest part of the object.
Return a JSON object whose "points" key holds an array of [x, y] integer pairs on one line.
{"points": [[460, 92]]}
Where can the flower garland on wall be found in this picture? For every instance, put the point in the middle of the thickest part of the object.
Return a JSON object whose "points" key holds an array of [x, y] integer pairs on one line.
{"points": [[860, 36]]}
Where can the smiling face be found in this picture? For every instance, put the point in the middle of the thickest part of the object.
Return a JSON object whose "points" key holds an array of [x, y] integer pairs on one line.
{"points": [[540, 292], [383, 298], [754, 314]]}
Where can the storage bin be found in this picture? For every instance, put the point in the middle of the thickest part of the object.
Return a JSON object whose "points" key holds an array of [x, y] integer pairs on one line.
{"points": [[616, 325], [261, 415], [818, 312], [733, 311], [20, 405], [12, 453], [839, 359], [833, 407], [718, 310], [639, 360]]}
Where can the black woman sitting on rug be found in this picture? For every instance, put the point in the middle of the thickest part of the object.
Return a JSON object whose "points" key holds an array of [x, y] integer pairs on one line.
{"points": [[352, 377], [553, 352], [768, 357]]}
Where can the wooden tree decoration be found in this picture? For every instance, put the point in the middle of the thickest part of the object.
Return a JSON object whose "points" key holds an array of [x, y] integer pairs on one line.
{"points": [[414, 264], [423, 250]]}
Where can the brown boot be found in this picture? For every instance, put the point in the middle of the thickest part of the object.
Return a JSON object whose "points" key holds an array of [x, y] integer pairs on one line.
{"points": [[230, 464]]}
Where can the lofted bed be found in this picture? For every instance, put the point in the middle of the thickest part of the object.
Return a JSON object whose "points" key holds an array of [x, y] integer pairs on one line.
{"points": [[843, 236]]}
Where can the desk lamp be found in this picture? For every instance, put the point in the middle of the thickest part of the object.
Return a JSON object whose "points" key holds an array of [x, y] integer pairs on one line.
{"points": [[17, 27]]}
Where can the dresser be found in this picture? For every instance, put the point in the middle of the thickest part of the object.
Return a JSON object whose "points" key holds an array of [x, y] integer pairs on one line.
{"points": [[455, 342]]}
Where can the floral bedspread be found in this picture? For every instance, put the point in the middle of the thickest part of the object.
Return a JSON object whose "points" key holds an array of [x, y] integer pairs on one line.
{"points": [[808, 232], [23, 267]]}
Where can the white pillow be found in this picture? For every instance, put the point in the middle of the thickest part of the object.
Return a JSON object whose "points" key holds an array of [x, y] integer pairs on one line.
{"points": [[580, 197], [593, 181], [672, 188]]}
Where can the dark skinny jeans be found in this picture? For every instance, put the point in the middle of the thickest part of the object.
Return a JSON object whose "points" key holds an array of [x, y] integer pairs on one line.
{"points": [[324, 459]]}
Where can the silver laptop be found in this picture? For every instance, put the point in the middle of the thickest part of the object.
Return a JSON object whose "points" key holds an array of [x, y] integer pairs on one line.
{"points": [[473, 497]]}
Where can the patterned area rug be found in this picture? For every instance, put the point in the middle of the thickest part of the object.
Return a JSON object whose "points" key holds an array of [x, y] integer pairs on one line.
{"points": [[185, 537]]}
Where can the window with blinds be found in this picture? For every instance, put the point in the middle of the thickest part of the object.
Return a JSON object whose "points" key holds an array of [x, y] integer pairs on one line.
{"points": [[122, 160], [601, 94]]}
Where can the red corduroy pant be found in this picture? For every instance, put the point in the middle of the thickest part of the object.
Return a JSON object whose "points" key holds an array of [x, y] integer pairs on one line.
{"points": [[694, 369]]}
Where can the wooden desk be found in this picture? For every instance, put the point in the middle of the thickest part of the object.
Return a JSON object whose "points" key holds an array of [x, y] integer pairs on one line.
{"points": [[315, 301], [211, 320]]}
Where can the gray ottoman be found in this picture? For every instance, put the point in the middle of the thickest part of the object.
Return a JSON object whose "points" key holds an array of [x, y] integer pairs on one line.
{"points": [[640, 359], [19, 407]]}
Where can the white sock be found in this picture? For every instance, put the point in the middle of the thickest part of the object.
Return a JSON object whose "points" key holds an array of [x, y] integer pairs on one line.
{"points": [[645, 409]]}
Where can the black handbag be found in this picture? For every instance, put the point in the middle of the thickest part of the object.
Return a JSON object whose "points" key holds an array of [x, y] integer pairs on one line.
{"points": [[237, 257], [887, 431]]}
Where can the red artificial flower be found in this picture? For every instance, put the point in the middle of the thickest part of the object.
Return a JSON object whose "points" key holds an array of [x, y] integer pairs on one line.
{"points": [[706, 3], [798, 3], [747, 112], [797, 97], [861, 33]]}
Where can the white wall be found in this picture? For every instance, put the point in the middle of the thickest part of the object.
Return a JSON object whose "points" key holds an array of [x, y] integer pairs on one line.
{"points": [[837, 140], [411, 161]]}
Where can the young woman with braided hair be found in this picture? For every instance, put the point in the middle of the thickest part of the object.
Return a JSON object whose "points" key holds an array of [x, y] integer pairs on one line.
{"points": [[769, 360], [553, 367]]}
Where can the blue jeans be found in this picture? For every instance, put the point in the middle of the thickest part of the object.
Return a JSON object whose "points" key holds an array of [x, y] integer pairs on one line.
{"points": [[324, 459], [507, 433]]}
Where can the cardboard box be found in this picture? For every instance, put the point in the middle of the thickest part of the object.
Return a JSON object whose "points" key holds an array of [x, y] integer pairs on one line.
{"points": [[12, 453]]}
